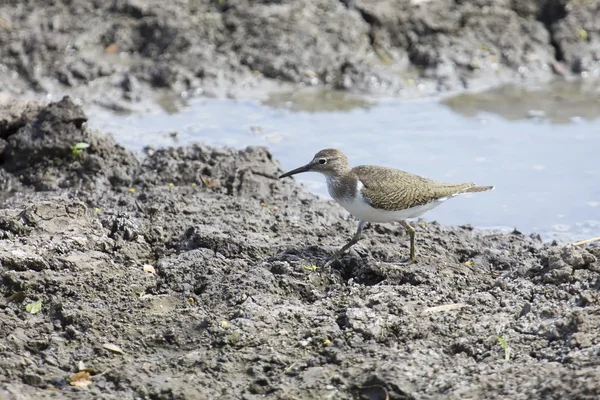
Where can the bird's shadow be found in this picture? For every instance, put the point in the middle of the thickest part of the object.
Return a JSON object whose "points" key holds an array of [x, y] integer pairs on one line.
{"points": [[352, 267]]}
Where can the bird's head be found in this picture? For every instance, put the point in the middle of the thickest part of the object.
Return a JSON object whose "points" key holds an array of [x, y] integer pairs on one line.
{"points": [[327, 162]]}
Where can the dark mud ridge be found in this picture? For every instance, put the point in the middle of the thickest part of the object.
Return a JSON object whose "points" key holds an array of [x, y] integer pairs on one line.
{"points": [[111, 50], [193, 273]]}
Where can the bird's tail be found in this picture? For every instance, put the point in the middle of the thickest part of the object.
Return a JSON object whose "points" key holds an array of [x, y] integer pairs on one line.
{"points": [[475, 189], [456, 189]]}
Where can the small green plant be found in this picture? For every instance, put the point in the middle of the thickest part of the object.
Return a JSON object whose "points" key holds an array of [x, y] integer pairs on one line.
{"points": [[34, 308], [504, 344], [235, 338], [78, 148], [312, 268]]}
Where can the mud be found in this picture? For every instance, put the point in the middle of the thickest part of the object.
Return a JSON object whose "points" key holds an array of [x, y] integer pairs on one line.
{"points": [[205, 271], [114, 53]]}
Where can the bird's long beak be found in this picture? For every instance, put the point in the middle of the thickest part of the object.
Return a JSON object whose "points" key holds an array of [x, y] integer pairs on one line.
{"points": [[304, 168]]}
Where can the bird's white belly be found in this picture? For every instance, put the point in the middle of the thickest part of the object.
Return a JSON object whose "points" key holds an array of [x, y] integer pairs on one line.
{"points": [[363, 211]]}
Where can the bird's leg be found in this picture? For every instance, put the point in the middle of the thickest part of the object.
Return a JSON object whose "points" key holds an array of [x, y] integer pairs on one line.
{"points": [[411, 233], [352, 242]]}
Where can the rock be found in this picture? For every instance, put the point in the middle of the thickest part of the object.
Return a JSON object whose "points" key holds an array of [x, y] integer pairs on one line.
{"points": [[14, 115], [577, 257]]}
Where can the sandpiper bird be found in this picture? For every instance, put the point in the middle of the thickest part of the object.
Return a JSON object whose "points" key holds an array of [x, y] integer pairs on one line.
{"points": [[380, 194]]}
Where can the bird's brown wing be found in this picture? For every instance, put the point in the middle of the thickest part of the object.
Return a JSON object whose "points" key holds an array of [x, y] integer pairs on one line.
{"points": [[391, 189]]}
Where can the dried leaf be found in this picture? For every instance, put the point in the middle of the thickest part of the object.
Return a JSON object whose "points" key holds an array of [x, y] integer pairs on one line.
{"points": [[4, 23], [34, 308], [147, 367], [445, 307], [82, 378], [82, 367], [112, 48], [113, 347], [149, 269]]}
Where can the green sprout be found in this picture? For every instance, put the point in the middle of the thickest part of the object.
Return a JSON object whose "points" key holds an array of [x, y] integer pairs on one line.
{"points": [[504, 344], [78, 148], [312, 268]]}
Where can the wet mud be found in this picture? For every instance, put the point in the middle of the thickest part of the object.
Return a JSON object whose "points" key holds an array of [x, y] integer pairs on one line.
{"points": [[193, 272], [115, 53]]}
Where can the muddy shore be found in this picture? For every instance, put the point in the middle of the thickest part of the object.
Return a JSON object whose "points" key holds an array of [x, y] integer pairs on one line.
{"points": [[194, 272], [115, 53]]}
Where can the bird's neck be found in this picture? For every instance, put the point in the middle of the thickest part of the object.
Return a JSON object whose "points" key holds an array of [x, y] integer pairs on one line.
{"points": [[342, 186]]}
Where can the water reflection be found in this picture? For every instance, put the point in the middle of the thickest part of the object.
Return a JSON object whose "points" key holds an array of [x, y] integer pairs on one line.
{"points": [[560, 102], [316, 100]]}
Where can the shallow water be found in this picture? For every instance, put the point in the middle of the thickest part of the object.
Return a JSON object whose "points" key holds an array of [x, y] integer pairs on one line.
{"points": [[539, 148]]}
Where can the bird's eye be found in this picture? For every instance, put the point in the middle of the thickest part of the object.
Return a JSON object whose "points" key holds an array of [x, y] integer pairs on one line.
{"points": [[322, 161]]}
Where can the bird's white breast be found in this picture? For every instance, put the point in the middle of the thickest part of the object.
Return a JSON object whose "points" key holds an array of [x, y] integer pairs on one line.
{"points": [[359, 207]]}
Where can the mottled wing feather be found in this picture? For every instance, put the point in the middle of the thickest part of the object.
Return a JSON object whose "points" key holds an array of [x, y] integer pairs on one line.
{"points": [[391, 189]]}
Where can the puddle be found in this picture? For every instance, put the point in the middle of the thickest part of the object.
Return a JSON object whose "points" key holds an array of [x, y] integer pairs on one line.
{"points": [[544, 165], [559, 102]]}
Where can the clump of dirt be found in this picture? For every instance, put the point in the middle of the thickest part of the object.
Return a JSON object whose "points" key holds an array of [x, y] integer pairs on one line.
{"points": [[41, 149], [249, 172], [163, 289]]}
